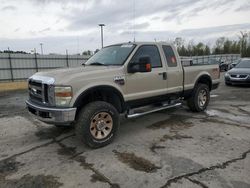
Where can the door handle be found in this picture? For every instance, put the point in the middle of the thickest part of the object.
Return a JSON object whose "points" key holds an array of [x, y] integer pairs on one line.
{"points": [[164, 75]]}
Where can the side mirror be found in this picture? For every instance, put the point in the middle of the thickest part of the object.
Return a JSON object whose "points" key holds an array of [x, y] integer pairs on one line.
{"points": [[144, 65]]}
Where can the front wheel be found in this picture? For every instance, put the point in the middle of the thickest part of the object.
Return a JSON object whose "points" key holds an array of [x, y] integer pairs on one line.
{"points": [[97, 124], [200, 98]]}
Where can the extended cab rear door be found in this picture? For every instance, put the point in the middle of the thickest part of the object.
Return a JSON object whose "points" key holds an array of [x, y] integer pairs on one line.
{"points": [[147, 84], [174, 69]]}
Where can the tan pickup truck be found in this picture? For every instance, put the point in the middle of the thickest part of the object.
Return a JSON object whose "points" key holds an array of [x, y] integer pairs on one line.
{"points": [[130, 79]]}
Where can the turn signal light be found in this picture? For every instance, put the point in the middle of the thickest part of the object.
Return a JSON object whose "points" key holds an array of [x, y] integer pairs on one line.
{"points": [[148, 67], [64, 94]]}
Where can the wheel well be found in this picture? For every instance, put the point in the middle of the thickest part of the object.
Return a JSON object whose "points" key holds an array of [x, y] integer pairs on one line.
{"points": [[101, 93], [205, 79]]}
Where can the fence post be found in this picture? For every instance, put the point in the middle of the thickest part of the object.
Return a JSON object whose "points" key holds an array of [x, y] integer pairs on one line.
{"points": [[67, 58], [11, 70], [36, 61]]}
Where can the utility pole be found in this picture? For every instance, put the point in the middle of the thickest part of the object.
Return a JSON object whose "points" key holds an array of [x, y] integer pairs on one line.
{"points": [[102, 25], [41, 44]]}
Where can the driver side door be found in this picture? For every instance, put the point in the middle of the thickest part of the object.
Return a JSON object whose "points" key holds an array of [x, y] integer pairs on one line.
{"points": [[147, 84]]}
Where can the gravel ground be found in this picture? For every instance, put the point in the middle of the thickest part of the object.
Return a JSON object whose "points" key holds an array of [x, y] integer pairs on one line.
{"points": [[171, 148]]}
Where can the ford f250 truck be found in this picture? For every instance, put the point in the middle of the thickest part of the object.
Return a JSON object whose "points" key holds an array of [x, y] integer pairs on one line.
{"points": [[133, 79]]}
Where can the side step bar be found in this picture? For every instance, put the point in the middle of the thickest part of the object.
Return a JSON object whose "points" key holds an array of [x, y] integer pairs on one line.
{"points": [[163, 107]]}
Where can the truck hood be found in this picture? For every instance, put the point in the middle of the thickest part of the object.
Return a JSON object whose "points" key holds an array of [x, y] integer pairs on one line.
{"points": [[67, 75]]}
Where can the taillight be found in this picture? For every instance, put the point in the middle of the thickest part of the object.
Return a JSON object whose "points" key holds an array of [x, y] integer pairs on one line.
{"points": [[216, 72]]}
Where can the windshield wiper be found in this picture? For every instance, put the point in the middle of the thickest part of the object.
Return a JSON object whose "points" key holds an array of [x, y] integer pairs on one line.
{"points": [[97, 63]]}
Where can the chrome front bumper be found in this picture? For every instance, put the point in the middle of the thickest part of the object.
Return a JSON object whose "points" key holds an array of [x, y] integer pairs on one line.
{"points": [[52, 115]]}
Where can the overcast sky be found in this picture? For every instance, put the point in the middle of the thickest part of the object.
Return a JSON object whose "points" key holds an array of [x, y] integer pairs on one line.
{"points": [[73, 24]]}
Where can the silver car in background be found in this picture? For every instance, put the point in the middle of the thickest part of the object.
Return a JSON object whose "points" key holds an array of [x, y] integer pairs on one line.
{"points": [[240, 74]]}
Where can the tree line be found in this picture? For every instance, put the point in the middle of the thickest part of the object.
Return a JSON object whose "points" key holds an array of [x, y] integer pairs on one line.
{"points": [[222, 45]]}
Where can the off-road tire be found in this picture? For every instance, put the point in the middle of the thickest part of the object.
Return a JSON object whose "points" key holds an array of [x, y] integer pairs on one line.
{"points": [[193, 101], [84, 120]]}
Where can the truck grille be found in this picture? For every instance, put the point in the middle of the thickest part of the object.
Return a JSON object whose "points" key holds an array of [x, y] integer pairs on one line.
{"points": [[38, 92]]}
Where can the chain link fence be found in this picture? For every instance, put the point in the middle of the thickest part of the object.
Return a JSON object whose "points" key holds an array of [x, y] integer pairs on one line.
{"points": [[210, 59], [16, 67]]}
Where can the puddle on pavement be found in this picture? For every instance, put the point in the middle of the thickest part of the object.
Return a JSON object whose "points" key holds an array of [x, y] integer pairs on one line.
{"points": [[155, 147], [232, 97], [68, 151], [29, 181], [228, 116], [212, 120], [242, 110], [135, 162], [238, 105], [96, 178], [9, 166], [223, 110], [51, 132], [82, 160], [174, 137], [166, 137], [175, 123]]}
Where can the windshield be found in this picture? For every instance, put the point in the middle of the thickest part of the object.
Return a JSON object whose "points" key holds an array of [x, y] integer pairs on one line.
{"points": [[243, 64], [111, 55]]}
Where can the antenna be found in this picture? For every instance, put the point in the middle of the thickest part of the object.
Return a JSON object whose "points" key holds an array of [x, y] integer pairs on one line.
{"points": [[77, 44], [134, 19]]}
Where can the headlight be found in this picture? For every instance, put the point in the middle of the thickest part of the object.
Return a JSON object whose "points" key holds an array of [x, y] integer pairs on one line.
{"points": [[226, 75], [63, 95]]}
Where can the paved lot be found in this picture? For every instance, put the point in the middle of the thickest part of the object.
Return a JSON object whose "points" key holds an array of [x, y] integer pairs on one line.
{"points": [[172, 148]]}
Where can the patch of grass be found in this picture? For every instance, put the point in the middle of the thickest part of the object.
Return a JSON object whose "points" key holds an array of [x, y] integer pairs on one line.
{"points": [[10, 86]]}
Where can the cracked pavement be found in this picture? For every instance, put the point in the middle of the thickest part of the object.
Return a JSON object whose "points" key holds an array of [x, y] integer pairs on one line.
{"points": [[172, 148]]}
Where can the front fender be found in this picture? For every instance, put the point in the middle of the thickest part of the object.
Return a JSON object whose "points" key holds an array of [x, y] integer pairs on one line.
{"points": [[88, 87]]}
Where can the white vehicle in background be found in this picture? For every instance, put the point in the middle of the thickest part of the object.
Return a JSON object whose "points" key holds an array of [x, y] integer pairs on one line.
{"points": [[224, 64], [240, 74]]}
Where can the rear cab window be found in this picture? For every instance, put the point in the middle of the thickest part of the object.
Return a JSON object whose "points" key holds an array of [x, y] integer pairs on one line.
{"points": [[170, 56]]}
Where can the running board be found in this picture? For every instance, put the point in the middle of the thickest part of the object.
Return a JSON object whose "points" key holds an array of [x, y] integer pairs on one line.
{"points": [[155, 109]]}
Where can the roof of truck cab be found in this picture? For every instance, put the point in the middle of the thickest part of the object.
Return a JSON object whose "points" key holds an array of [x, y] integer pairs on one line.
{"points": [[144, 43]]}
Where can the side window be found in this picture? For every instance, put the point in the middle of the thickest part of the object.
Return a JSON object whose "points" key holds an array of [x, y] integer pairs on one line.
{"points": [[170, 56], [150, 51]]}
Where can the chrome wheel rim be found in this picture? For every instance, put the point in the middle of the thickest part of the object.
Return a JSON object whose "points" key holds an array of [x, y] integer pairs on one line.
{"points": [[202, 98], [101, 125]]}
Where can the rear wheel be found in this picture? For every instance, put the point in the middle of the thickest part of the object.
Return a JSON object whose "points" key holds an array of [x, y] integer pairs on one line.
{"points": [[97, 124], [200, 98]]}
